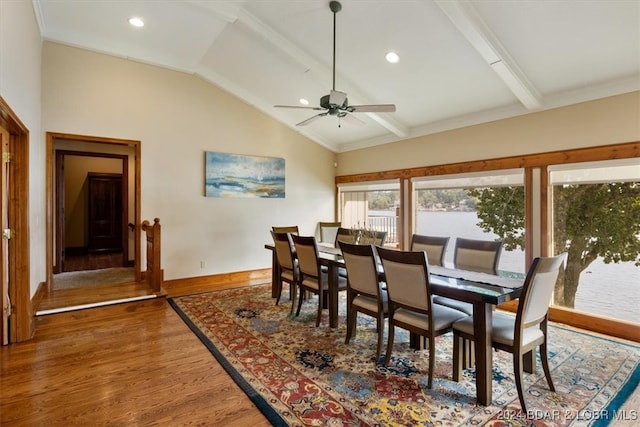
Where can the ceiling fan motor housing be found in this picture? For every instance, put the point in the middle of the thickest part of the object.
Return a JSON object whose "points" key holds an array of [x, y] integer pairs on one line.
{"points": [[325, 102]]}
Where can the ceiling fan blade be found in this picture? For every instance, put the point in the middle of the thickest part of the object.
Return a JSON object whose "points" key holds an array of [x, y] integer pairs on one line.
{"points": [[351, 119], [337, 98], [378, 108], [311, 119], [298, 106]]}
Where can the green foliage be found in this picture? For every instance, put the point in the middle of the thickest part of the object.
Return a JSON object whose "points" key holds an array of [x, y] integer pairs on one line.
{"points": [[590, 220], [382, 200], [604, 219], [501, 211]]}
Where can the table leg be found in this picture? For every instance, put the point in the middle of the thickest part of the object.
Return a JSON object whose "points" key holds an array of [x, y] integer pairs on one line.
{"points": [[333, 295], [275, 274], [482, 314]]}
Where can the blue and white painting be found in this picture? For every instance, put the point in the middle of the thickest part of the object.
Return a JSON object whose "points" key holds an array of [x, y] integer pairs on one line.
{"points": [[235, 175]]}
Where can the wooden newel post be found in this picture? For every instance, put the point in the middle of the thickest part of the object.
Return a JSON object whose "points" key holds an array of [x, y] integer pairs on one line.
{"points": [[154, 272]]}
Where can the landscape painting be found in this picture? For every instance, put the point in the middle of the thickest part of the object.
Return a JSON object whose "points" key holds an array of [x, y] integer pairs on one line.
{"points": [[235, 175]]}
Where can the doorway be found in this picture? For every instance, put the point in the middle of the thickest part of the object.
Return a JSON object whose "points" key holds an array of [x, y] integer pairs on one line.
{"points": [[93, 189], [92, 205], [16, 319]]}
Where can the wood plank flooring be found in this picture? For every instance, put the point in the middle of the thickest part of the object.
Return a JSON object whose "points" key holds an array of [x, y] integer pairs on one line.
{"points": [[120, 365]]}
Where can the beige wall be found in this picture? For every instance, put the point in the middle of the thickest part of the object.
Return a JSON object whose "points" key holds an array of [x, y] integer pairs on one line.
{"points": [[602, 122], [178, 117], [20, 68]]}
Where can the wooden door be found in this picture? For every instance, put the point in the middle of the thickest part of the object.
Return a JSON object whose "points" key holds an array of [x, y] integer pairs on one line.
{"points": [[105, 212], [5, 304]]}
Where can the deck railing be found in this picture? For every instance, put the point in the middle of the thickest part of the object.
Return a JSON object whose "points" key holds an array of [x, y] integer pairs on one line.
{"points": [[385, 223]]}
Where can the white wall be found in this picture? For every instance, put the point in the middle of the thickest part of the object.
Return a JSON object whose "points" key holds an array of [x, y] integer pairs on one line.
{"points": [[20, 55], [602, 122], [178, 117]]}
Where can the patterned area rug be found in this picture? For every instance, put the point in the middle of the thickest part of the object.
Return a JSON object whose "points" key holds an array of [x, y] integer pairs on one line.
{"points": [[298, 374]]}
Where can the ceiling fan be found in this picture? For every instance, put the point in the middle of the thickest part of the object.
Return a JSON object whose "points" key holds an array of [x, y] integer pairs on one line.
{"points": [[336, 103]]}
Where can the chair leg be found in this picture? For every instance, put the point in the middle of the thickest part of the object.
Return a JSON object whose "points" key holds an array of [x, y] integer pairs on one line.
{"points": [[432, 360], [320, 302], [278, 291], [545, 365], [517, 372], [294, 294], [468, 353], [302, 292], [351, 323], [380, 327], [458, 356], [387, 356]]}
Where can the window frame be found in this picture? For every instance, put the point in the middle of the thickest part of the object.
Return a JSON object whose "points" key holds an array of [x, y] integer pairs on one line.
{"points": [[537, 214]]}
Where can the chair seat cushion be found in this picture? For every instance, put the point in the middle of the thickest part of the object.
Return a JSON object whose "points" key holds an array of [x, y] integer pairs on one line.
{"points": [[462, 306], [288, 275], [370, 303], [503, 331], [443, 317]]}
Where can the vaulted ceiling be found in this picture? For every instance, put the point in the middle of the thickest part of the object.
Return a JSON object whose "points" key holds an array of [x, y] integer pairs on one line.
{"points": [[461, 62]]}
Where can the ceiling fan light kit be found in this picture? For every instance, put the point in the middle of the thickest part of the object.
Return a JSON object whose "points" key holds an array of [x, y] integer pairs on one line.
{"points": [[336, 102]]}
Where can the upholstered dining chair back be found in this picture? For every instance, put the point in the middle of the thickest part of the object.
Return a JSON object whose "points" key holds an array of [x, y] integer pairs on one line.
{"points": [[307, 253], [434, 246], [360, 236], [288, 263], [328, 231], [346, 235], [284, 250], [365, 293], [360, 261], [407, 275], [534, 301], [410, 305], [293, 229], [477, 255], [524, 333]]}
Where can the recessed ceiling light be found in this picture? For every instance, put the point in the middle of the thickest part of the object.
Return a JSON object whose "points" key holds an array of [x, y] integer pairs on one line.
{"points": [[304, 101], [136, 22], [392, 57]]}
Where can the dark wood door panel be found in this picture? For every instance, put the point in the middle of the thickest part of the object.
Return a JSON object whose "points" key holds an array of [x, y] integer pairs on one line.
{"points": [[105, 212]]}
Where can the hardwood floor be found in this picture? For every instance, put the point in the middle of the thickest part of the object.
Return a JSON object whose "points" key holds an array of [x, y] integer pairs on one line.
{"points": [[125, 364]]}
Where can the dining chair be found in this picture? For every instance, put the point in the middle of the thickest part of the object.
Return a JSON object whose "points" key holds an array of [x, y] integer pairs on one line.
{"points": [[346, 235], [472, 255], [434, 246], [365, 292], [477, 255], [293, 229], [312, 277], [288, 263], [410, 305], [328, 231], [527, 330]]}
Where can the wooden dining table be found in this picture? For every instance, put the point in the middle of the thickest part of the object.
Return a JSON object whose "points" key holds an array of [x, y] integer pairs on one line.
{"points": [[483, 291]]}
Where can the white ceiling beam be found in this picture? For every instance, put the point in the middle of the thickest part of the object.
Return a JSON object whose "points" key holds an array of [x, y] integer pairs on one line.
{"points": [[319, 72], [464, 16]]}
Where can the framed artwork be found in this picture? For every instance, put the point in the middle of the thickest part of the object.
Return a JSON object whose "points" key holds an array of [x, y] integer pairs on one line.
{"points": [[235, 175]]}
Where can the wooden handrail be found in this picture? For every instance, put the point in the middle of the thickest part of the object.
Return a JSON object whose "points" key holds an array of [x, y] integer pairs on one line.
{"points": [[154, 273]]}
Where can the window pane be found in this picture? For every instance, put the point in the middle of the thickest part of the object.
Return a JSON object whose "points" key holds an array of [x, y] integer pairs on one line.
{"points": [[598, 225], [489, 213], [374, 209]]}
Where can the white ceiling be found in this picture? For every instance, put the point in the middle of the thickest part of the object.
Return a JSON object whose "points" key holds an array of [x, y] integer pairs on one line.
{"points": [[461, 62]]}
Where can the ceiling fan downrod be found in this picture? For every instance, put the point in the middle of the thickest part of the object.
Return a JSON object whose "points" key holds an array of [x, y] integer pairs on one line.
{"points": [[335, 7]]}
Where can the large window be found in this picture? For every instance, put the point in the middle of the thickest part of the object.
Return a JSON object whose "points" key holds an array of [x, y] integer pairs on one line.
{"points": [[373, 206], [596, 221], [482, 206]]}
